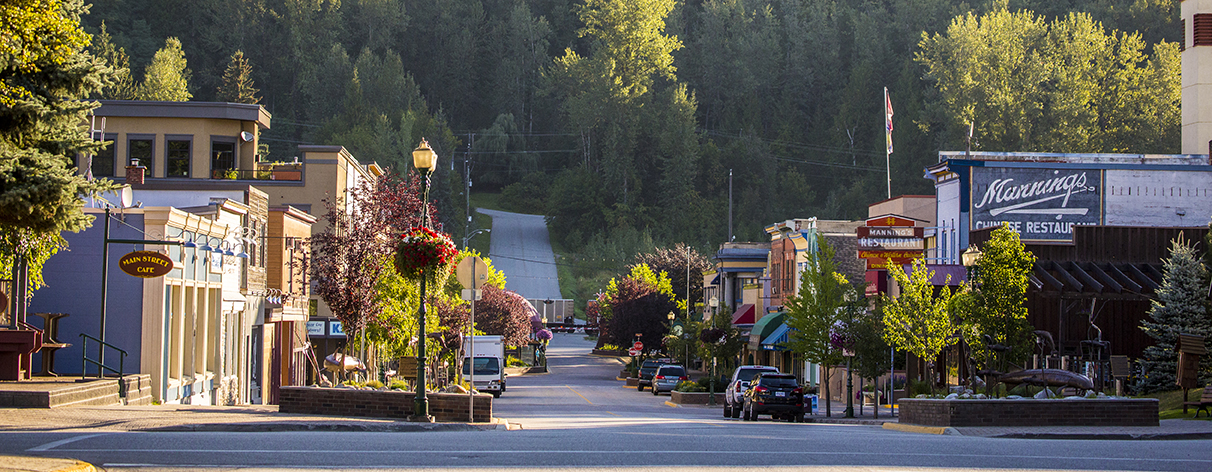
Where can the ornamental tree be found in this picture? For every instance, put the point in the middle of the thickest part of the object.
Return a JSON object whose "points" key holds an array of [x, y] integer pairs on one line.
{"points": [[504, 313], [638, 303], [997, 301], [918, 321], [1180, 308], [825, 300], [675, 261]]}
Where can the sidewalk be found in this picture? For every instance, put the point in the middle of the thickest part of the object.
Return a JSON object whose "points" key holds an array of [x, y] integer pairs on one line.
{"points": [[249, 418], [43, 464]]}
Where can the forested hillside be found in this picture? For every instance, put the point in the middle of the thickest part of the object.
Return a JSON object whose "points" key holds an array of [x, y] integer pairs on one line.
{"points": [[620, 117]]}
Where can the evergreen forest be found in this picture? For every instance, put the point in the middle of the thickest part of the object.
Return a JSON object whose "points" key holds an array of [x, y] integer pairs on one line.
{"points": [[638, 120]]}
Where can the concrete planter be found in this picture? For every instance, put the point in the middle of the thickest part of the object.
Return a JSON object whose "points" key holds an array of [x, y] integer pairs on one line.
{"points": [[1029, 412], [633, 382], [444, 407], [695, 398]]}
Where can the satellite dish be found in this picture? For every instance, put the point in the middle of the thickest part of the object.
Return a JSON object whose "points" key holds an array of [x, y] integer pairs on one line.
{"points": [[246, 136], [127, 196]]}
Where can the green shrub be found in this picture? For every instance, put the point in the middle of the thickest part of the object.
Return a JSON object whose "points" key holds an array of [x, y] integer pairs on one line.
{"points": [[688, 386], [375, 384], [919, 387], [610, 347], [398, 385], [514, 361], [705, 383]]}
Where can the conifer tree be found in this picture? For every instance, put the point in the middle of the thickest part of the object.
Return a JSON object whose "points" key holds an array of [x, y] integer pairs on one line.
{"points": [[237, 84], [1178, 309], [167, 77], [123, 85]]}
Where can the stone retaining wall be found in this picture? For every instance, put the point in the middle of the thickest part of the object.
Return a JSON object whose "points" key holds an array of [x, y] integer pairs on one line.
{"points": [[1029, 412], [444, 407]]}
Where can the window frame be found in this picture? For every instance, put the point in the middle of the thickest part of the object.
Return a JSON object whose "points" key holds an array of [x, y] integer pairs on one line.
{"points": [[150, 163], [235, 152], [168, 140]]}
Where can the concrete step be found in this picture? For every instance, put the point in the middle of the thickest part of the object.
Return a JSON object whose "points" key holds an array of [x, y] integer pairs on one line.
{"points": [[95, 392]]}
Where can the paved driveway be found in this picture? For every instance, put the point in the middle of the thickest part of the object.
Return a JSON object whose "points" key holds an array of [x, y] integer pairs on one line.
{"points": [[521, 249]]}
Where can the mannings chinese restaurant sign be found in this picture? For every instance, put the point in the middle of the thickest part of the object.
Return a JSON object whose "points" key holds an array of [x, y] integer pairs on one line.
{"points": [[1040, 204]]}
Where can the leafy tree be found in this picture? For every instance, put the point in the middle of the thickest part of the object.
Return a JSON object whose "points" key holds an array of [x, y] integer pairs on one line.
{"points": [[998, 301], [918, 321], [872, 355], [237, 84], [46, 76], [504, 313], [824, 303], [167, 77], [1060, 86], [1180, 308], [677, 262], [637, 304], [351, 256]]}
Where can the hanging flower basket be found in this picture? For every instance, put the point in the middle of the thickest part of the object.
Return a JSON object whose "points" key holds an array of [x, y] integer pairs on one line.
{"points": [[424, 254]]}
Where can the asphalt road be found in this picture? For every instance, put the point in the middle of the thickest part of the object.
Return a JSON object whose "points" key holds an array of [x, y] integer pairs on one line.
{"points": [[578, 417], [521, 248]]}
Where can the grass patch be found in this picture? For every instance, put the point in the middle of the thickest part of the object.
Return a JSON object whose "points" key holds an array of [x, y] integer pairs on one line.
{"points": [[487, 200], [1170, 404]]}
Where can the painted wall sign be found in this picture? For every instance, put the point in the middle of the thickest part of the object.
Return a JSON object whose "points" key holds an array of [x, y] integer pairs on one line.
{"points": [[879, 259], [889, 220], [1040, 204], [316, 328], [145, 264], [889, 232]]}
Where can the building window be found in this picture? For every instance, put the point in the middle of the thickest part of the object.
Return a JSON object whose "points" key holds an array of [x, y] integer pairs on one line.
{"points": [[223, 157], [140, 149], [103, 161], [1202, 30], [176, 158]]}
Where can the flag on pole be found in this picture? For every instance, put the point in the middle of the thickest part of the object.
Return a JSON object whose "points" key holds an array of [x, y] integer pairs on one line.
{"points": [[888, 119]]}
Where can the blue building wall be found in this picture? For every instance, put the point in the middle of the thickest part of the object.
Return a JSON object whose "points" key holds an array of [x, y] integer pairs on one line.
{"points": [[73, 279]]}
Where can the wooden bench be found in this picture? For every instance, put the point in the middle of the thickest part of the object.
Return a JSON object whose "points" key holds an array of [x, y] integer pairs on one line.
{"points": [[1204, 402]]}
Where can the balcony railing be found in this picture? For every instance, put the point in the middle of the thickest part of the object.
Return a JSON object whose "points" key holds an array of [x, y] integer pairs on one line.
{"points": [[287, 174]]}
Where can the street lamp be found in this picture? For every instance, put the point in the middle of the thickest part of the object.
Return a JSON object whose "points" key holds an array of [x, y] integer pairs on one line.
{"points": [[849, 354], [424, 159], [713, 303], [473, 234]]}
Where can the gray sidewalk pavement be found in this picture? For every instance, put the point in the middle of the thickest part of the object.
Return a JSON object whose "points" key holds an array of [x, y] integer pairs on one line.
{"points": [[249, 418]]}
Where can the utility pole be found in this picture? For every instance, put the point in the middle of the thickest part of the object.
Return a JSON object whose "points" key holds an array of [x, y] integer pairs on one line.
{"points": [[729, 205], [467, 185]]}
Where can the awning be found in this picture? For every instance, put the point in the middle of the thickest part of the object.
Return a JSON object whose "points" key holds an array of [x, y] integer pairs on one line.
{"points": [[1096, 280], [744, 315], [777, 339], [764, 328]]}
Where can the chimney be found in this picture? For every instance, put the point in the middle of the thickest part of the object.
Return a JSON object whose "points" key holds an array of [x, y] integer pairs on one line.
{"points": [[1196, 75], [135, 172]]}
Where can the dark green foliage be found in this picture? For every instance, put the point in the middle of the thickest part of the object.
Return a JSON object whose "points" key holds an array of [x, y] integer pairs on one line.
{"points": [[1180, 308]]}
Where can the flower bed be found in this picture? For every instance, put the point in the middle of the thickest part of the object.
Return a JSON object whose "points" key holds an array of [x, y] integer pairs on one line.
{"points": [[1029, 412], [695, 398], [444, 407]]}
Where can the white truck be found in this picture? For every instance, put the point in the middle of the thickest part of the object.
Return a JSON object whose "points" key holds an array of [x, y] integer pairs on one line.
{"points": [[488, 353]]}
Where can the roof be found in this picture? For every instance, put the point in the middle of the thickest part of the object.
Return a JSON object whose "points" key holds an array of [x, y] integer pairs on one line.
{"points": [[744, 315], [765, 327], [1077, 158], [1096, 280], [755, 254], [213, 110]]}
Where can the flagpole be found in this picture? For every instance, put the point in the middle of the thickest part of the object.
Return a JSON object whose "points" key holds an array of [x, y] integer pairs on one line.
{"points": [[888, 143]]}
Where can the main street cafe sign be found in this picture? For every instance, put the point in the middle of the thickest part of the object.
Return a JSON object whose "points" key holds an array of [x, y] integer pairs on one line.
{"points": [[1040, 204], [145, 264]]}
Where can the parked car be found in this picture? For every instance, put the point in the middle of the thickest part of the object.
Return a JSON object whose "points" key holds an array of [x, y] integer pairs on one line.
{"points": [[735, 391], [667, 377], [647, 369], [777, 395]]}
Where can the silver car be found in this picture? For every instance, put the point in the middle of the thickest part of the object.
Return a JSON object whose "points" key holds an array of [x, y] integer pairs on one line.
{"points": [[667, 377]]}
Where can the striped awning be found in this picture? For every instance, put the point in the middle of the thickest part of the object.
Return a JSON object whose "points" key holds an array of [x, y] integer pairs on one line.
{"points": [[777, 339]]}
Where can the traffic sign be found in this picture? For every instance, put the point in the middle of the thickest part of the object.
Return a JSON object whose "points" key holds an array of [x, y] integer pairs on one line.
{"points": [[633, 352], [472, 272], [638, 346]]}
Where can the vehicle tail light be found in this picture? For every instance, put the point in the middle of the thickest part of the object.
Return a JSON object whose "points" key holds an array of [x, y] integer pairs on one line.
{"points": [[798, 391], [683, 378], [660, 377], [760, 389]]}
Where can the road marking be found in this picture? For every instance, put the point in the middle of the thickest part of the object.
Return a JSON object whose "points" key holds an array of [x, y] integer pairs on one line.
{"points": [[579, 395], [656, 452], [51, 445], [912, 428], [611, 413]]}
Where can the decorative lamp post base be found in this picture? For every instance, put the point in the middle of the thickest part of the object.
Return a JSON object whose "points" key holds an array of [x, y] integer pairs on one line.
{"points": [[421, 419]]}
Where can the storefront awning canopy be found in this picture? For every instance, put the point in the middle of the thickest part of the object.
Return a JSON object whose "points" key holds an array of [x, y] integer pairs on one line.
{"points": [[744, 315], [764, 328], [777, 339]]}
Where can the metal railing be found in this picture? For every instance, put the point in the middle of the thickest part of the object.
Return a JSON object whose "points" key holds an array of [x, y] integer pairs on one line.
{"points": [[101, 367], [286, 175]]}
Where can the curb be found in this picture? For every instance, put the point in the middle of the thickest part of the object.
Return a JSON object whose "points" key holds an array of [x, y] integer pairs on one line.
{"points": [[1109, 437], [498, 424], [828, 420], [912, 428], [44, 464], [672, 404]]}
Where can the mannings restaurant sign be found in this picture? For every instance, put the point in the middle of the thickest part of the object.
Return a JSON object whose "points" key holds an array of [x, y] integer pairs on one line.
{"points": [[1040, 204]]}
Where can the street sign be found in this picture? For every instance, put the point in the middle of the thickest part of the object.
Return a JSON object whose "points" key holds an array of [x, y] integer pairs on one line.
{"points": [[638, 346], [145, 264], [633, 352], [890, 232], [470, 294], [472, 272]]}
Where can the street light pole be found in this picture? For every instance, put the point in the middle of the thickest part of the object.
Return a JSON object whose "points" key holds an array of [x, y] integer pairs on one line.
{"points": [[473, 234], [424, 159]]}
